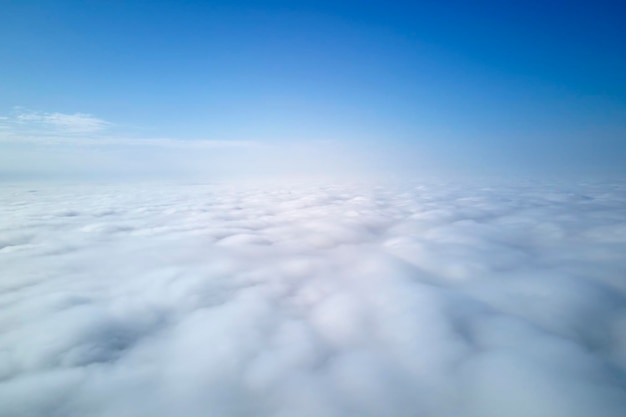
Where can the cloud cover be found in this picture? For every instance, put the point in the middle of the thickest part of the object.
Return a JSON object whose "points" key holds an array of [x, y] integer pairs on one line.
{"points": [[318, 300]]}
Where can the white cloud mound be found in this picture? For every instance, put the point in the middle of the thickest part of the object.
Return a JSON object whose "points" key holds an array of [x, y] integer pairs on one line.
{"points": [[355, 300]]}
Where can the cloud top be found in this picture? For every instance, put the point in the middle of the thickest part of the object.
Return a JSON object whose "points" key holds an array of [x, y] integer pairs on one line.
{"points": [[319, 300]]}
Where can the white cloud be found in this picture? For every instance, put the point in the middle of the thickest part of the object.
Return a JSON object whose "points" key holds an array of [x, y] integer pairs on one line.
{"points": [[60, 122], [85, 130], [54, 145], [331, 300]]}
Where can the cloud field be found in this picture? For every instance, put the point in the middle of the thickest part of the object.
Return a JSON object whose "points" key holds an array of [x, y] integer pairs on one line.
{"points": [[434, 299]]}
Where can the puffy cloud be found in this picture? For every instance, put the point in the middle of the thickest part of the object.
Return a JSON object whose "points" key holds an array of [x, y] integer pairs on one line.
{"points": [[326, 300]]}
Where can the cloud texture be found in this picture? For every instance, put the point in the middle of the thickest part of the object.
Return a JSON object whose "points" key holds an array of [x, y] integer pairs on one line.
{"points": [[337, 300]]}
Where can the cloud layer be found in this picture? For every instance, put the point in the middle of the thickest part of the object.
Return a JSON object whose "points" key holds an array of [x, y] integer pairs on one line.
{"points": [[335, 300]]}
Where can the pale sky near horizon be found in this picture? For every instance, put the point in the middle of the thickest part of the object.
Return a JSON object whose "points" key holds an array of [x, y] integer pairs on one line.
{"points": [[218, 89]]}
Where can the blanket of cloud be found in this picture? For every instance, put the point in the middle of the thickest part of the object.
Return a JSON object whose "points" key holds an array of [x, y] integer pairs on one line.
{"points": [[435, 299]]}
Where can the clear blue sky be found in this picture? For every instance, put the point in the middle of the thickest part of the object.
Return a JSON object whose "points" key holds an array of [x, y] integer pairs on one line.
{"points": [[477, 87]]}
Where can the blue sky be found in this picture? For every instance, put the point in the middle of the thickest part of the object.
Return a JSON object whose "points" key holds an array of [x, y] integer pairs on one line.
{"points": [[278, 87]]}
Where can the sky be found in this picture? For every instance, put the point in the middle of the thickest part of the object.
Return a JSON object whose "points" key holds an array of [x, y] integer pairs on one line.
{"points": [[216, 89]]}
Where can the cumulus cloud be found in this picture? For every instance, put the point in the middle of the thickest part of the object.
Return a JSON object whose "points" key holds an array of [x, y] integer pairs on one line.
{"points": [[316, 300]]}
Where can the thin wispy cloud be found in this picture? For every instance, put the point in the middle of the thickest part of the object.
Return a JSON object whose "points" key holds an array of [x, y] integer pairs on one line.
{"points": [[59, 122], [83, 129], [88, 146]]}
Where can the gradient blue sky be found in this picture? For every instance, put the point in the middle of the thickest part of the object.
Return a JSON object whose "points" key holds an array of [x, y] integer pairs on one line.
{"points": [[284, 87]]}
